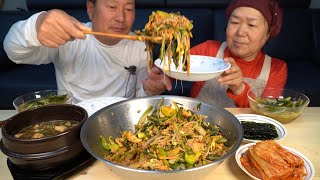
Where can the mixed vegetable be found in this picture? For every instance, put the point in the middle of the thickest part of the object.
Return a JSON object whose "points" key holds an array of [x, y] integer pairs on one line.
{"points": [[50, 99], [176, 32], [168, 138], [281, 102]]}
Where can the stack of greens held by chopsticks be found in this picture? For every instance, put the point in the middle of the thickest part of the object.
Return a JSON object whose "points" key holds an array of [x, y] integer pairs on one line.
{"points": [[176, 32]]}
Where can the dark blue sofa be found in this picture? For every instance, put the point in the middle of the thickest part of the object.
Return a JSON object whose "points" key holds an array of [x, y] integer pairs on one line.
{"points": [[297, 44]]}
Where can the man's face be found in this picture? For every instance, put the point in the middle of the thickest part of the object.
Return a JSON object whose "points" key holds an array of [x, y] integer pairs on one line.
{"points": [[111, 16]]}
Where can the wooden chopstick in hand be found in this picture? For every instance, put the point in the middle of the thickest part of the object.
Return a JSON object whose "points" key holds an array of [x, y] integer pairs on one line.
{"points": [[123, 36]]}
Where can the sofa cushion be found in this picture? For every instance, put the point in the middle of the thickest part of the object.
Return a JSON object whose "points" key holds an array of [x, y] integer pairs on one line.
{"points": [[197, 3], [81, 4], [305, 4], [219, 25], [8, 18], [23, 79], [316, 36], [302, 77], [295, 41]]}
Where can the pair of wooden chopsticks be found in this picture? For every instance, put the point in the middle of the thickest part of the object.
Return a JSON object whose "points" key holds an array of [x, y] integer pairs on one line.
{"points": [[123, 36]]}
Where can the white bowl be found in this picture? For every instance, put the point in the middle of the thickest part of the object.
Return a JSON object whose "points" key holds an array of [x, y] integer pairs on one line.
{"points": [[307, 163], [202, 68], [281, 130]]}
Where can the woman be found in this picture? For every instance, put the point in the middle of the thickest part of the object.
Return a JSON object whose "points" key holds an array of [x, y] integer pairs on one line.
{"points": [[251, 23]]}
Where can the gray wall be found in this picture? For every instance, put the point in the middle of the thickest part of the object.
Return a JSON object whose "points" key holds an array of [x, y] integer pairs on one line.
{"points": [[10, 5]]}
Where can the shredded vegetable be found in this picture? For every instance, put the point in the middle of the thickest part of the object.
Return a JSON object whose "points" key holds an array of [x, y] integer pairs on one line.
{"points": [[175, 31], [50, 99], [170, 138]]}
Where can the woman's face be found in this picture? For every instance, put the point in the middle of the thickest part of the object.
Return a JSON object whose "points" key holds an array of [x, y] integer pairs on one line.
{"points": [[111, 16], [247, 32]]}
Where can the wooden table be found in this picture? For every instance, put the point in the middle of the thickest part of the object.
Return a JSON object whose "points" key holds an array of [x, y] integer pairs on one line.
{"points": [[303, 136]]}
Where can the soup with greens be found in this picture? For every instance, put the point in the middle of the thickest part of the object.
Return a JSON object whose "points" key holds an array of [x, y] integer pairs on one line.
{"points": [[45, 129]]}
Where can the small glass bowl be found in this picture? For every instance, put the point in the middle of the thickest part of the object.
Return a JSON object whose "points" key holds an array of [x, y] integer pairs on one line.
{"points": [[41, 98], [282, 105]]}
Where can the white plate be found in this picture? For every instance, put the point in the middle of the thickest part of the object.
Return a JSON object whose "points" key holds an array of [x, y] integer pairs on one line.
{"points": [[93, 105], [281, 130], [202, 68], [307, 163]]}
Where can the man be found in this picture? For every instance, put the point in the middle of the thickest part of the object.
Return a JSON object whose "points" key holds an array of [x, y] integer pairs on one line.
{"points": [[88, 66]]}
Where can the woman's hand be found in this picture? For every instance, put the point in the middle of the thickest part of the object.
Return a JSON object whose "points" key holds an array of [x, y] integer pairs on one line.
{"points": [[232, 77], [55, 28], [157, 82]]}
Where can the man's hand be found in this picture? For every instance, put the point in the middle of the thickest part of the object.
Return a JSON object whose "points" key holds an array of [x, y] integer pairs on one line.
{"points": [[233, 77], [55, 28], [157, 82]]}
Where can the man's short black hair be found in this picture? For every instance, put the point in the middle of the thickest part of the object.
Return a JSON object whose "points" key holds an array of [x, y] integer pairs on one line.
{"points": [[94, 1]]}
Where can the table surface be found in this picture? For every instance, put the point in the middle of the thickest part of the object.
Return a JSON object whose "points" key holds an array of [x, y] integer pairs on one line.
{"points": [[303, 136]]}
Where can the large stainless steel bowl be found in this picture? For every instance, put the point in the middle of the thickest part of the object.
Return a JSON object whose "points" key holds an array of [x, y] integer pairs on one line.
{"points": [[114, 119]]}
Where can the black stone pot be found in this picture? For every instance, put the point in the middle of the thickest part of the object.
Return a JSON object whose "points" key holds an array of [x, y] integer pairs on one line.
{"points": [[48, 152]]}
